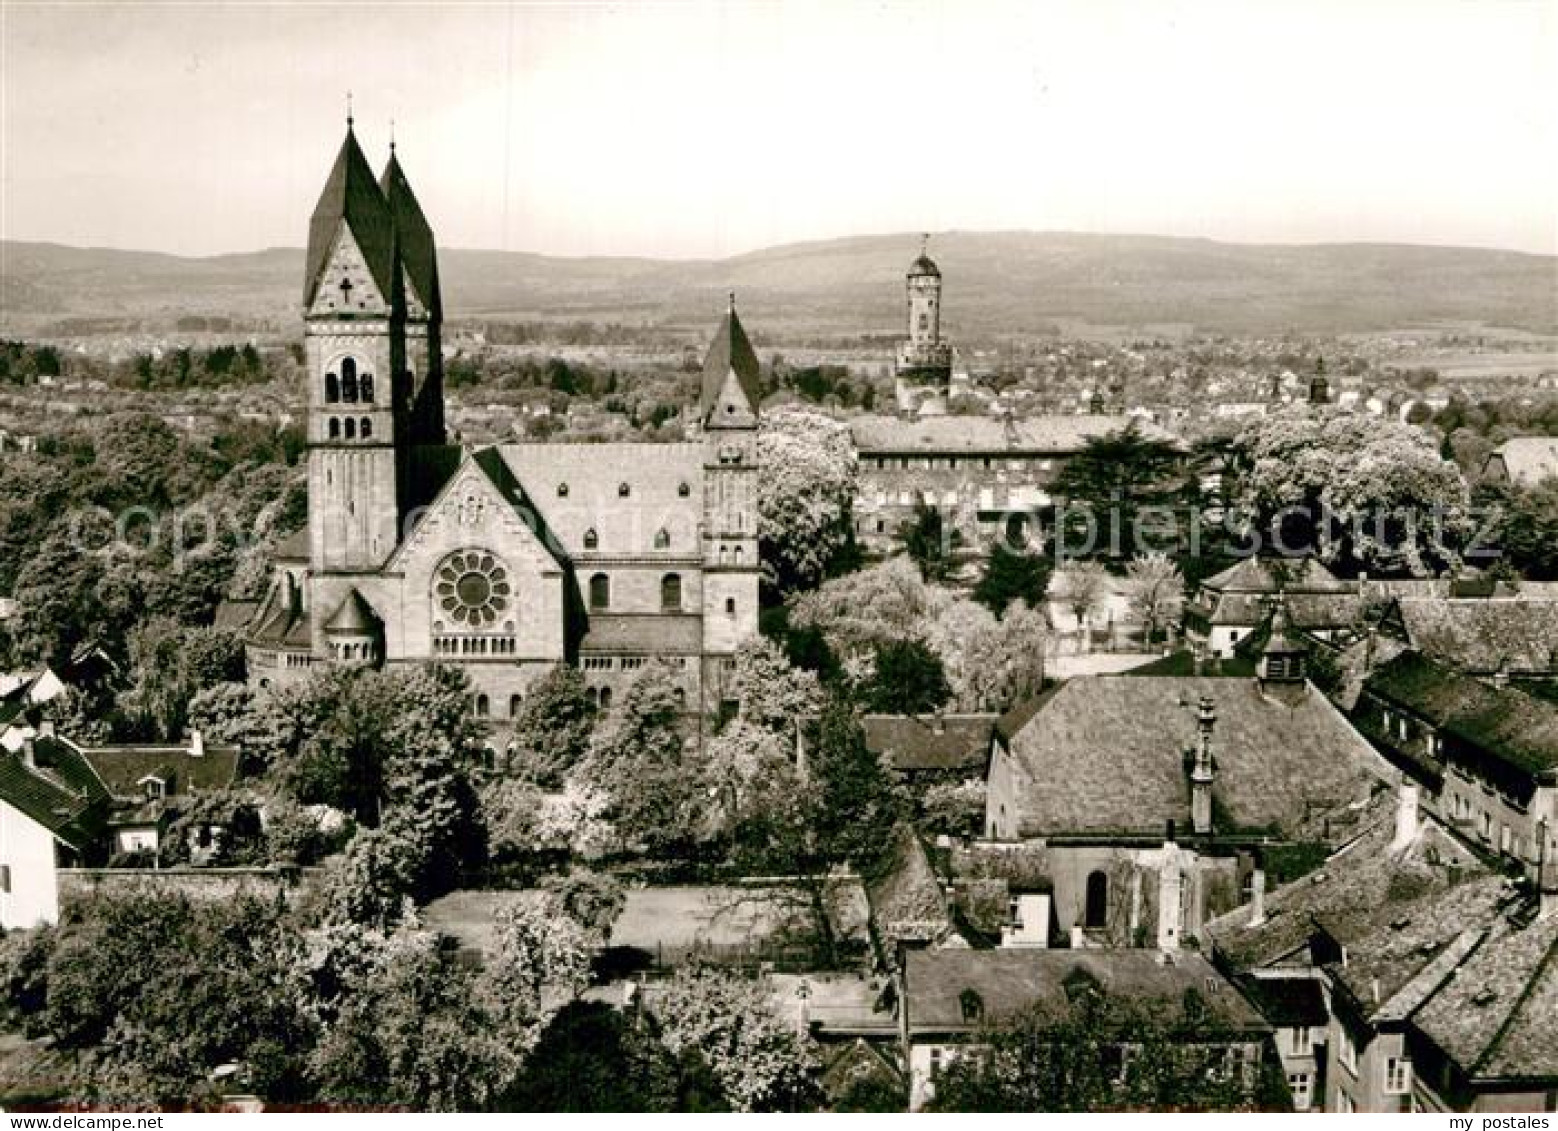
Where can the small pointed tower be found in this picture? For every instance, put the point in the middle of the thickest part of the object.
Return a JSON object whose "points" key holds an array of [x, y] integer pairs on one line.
{"points": [[424, 314], [1283, 659], [923, 373], [728, 413], [353, 309]]}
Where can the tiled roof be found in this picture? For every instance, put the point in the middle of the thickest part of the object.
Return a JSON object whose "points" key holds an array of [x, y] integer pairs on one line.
{"points": [[1528, 459], [655, 475], [351, 194], [946, 742], [1287, 1002], [1008, 981], [1107, 755], [1481, 635], [417, 252], [1308, 611], [1498, 1016], [1260, 575], [1517, 728], [1359, 890], [234, 613], [983, 435], [643, 633], [122, 768]]}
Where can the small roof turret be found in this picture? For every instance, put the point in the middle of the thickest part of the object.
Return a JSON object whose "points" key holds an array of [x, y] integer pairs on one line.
{"points": [[353, 617]]}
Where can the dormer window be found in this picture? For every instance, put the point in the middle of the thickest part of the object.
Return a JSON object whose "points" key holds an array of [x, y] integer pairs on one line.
{"points": [[662, 539], [623, 490], [683, 490], [562, 490], [591, 539]]}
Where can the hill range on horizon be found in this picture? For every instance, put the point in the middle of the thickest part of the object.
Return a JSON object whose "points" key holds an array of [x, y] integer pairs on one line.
{"points": [[998, 284]]}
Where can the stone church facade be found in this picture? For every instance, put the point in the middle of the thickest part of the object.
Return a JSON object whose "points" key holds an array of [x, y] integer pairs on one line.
{"points": [[511, 559]]}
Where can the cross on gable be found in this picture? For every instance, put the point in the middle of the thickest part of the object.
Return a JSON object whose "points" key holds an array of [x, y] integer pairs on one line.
{"points": [[346, 291]]}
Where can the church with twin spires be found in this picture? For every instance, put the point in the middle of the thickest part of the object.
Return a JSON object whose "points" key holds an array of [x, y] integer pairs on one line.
{"points": [[506, 560]]}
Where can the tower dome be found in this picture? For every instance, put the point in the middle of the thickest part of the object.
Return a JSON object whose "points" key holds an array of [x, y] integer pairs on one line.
{"points": [[924, 266]]}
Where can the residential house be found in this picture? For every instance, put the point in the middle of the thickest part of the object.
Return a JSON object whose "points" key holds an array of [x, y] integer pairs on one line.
{"points": [[1488, 755], [1437, 973], [152, 785], [1524, 461], [1230, 605], [949, 996], [1231, 768]]}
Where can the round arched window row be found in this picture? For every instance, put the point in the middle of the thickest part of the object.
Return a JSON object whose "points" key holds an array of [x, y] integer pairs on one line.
{"points": [[473, 589]]}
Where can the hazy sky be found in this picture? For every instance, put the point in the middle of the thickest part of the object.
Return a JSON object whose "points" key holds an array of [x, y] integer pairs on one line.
{"points": [[695, 129]]}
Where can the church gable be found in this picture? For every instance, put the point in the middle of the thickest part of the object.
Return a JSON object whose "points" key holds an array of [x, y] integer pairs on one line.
{"points": [[346, 284], [471, 511]]}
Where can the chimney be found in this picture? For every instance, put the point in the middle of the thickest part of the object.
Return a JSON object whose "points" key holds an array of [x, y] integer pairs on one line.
{"points": [[1203, 774], [1257, 897], [1171, 912], [1406, 816], [29, 753], [197, 744]]}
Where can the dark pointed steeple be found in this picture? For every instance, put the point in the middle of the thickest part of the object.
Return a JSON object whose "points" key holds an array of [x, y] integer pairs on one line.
{"points": [[351, 195], [418, 251], [730, 360]]}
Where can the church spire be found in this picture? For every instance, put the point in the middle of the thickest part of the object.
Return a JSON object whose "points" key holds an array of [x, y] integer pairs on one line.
{"points": [[351, 196], [731, 390], [418, 250]]}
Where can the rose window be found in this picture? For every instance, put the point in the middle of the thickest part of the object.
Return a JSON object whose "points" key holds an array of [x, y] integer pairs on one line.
{"points": [[473, 588]]}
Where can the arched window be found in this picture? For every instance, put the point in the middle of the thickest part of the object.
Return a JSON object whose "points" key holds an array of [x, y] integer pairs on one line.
{"points": [[624, 490], [335, 428], [365, 429], [1096, 914], [332, 388], [605, 698], [740, 553], [483, 705], [662, 539], [600, 591], [516, 704], [349, 380], [724, 555], [671, 592], [591, 539], [351, 428], [365, 387]]}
